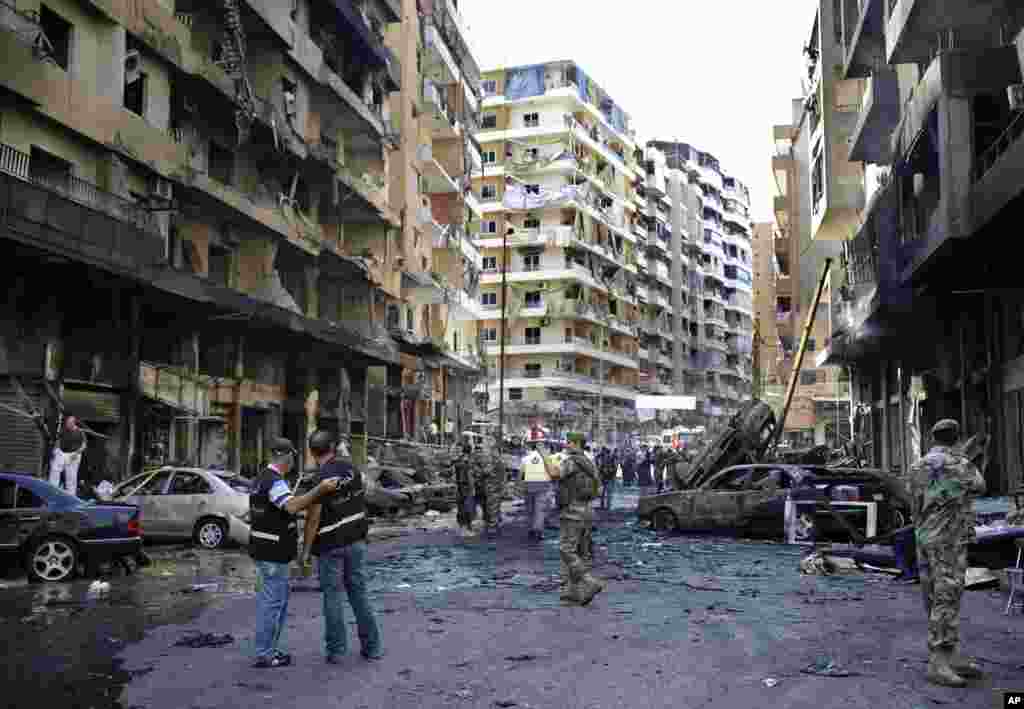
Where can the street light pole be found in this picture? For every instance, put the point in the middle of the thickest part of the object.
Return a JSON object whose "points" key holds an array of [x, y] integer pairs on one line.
{"points": [[501, 346]]}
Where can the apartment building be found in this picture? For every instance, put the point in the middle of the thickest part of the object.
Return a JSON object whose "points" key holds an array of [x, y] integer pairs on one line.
{"points": [[926, 314], [698, 321], [560, 189], [204, 240]]}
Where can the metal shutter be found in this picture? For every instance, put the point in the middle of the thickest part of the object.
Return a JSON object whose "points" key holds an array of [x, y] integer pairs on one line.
{"points": [[21, 444]]}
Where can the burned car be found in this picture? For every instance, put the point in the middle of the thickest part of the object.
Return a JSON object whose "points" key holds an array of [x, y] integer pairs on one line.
{"points": [[751, 500]]}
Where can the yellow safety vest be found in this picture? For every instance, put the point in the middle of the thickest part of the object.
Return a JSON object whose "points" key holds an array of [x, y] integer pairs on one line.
{"points": [[533, 469]]}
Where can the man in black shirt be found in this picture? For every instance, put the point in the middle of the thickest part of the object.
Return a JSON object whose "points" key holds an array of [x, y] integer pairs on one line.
{"points": [[67, 455]]}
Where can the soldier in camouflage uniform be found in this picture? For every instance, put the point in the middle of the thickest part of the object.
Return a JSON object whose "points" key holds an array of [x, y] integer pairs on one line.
{"points": [[941, 486], [488, 479], [466, 489], [579, 484]]}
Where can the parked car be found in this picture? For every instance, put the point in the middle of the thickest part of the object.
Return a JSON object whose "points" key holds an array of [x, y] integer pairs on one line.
{"points": [[54, 533], [187, 503], [750, 500]]}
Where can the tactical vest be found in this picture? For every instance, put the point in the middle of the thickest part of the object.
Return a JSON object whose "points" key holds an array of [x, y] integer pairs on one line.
{"points": [[273, 535], [581, 485], [343, 518]]}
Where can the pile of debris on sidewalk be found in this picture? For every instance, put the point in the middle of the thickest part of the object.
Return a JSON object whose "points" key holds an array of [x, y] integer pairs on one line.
{"points": [[409, 477]]}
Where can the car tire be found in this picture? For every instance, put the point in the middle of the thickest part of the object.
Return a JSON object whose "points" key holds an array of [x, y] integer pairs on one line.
{"points": [[52, 559], [211, 533], [664, 520]]}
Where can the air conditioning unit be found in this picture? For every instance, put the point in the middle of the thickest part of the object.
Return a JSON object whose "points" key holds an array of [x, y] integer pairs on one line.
{"points": [[1015, 93], [132, 66]]}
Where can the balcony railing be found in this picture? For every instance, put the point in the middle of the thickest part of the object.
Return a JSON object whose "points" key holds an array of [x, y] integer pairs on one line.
{"points": [[987, 160], [16, 163]]}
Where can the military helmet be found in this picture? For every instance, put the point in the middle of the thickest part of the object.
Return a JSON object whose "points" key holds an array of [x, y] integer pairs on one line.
{"points": [[574, 437], [946, 425], [322, 442], [281, 446]]}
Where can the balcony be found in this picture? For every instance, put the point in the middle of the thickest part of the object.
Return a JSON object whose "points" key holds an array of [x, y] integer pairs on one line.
{"points": [[914, 28], [879, 115], [440, 66], [865, 42], [71, 217]]}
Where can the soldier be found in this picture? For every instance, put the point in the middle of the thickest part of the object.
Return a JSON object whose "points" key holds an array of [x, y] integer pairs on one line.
{"points": [[466, 490], [495, 489], [484, 474], [579, 484], [941, 486]]}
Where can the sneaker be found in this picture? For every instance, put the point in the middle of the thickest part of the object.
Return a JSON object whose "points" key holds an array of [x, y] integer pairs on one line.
{"points": [[333, 659], [278, 660], [371, 657]]}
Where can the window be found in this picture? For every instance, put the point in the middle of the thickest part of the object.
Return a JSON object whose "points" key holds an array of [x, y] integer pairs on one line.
{"points": [[515, 394], [489, 87], [533, 189], [189, 484], [289, 95], [533, 337], [490, 334], [490, 263], [489, 299], [488, 156], [531, 262], [531, 223], [817, 183], [489, 192], [533, 299], [532, 371], [808, 378], [135, 92], [393, 317], [7, 493], [531, 120], [221, 165], [811, 344], [220, 265], [490, 227], [155, 485], [28, 500], [57, 31], [488, 121], [409, 323]]}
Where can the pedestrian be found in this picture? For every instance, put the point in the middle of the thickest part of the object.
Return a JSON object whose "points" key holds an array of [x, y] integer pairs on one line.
{"points": [[644, 473], [941, 487], [537, 489], [579, 484], [607, 467], [67, 455], [628, 468], [273, 546], [660, 460], [336, 530], [465, 489]]}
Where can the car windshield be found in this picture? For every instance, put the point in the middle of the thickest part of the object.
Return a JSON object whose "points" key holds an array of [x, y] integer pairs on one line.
{"points": [[237, 482]]}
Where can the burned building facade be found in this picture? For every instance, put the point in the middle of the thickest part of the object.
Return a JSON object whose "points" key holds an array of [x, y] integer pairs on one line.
{"points": [[202, 240]]}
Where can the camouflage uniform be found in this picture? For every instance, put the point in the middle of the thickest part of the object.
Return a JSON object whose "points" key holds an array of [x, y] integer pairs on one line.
{"points": [[484, 475], [466, 489], [576, 524], [941, 486]]}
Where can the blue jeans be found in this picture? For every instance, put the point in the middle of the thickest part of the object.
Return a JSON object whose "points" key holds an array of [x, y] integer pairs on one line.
{"points": [[271, 606], [344, 566], [537, 495], [607, 488]]}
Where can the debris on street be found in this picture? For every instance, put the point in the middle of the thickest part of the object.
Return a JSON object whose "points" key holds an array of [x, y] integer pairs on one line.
{"points": [[99, 588], [827, 667], [206, 640]]}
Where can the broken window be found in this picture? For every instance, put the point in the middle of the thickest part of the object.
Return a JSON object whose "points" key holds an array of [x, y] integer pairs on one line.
{"points": [[490, 263], [533, 299], [532, 336], [817, 182], [221, 165], [488, 192], [289, 93], [515, 394], [57, 31], [220, 268], [135, 93], [489, 87], [532, 370], [489, 121]]}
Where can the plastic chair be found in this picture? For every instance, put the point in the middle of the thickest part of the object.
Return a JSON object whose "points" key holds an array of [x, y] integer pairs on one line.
{"points": [[1016, 578]]}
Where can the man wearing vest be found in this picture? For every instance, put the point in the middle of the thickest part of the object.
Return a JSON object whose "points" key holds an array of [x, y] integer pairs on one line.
{"points": [[537, 482], [335, 532], [273, 546], [579, 483]]}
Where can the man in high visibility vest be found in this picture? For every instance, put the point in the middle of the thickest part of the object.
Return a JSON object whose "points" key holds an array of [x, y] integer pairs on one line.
{"points": [[537, 482]]}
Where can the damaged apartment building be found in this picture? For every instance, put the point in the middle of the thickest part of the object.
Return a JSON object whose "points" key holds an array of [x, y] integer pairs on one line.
{"points": [[910, 143], [203, 232]]}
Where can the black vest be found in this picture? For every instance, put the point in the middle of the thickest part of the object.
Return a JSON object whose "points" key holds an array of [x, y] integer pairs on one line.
{"points": [[274, 534], [343, 518]]}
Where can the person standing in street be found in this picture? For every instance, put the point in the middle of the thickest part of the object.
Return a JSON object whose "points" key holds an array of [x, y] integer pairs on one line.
{"points": [[660, 460], [67, 456], [941, 486], [537, 484], [336, 530], [483, 481], [579, 484], [645, 465], [607, 467], [465, 489], [273, 546]]}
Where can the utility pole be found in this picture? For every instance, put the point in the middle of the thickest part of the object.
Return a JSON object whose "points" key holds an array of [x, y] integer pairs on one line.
{"points": [[501, 346]]}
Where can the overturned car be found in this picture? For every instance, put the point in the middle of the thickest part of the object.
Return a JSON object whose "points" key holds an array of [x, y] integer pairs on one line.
{"points": [[752, 500]]}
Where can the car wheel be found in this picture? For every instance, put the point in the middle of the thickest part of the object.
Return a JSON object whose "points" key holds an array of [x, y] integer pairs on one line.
{"points": [[663, 520], [211, 533], [52, 559]]}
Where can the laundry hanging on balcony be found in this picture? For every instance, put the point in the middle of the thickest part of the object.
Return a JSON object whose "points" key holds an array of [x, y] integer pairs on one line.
{"points": [[524, 82], [519, 196]]}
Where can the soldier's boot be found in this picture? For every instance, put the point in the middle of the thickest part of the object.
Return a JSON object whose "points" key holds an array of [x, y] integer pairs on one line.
{"points": [[964, 666], [587, 589], [941, 672]]}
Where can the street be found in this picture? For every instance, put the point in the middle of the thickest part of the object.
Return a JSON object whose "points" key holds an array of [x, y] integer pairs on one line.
{"points": [[684, 621]]}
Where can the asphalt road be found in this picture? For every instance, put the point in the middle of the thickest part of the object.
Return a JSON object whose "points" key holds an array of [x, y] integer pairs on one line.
{"points": [[685, 622]]}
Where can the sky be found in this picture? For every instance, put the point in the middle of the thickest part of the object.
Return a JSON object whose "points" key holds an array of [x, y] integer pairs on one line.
{"points": [[715, 74]]}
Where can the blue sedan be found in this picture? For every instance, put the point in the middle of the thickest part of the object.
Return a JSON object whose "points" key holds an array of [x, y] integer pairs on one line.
{"points": [[54, 532]]}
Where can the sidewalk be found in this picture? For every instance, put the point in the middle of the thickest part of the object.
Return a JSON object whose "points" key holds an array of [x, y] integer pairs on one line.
{"points": [[650, 640]]}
